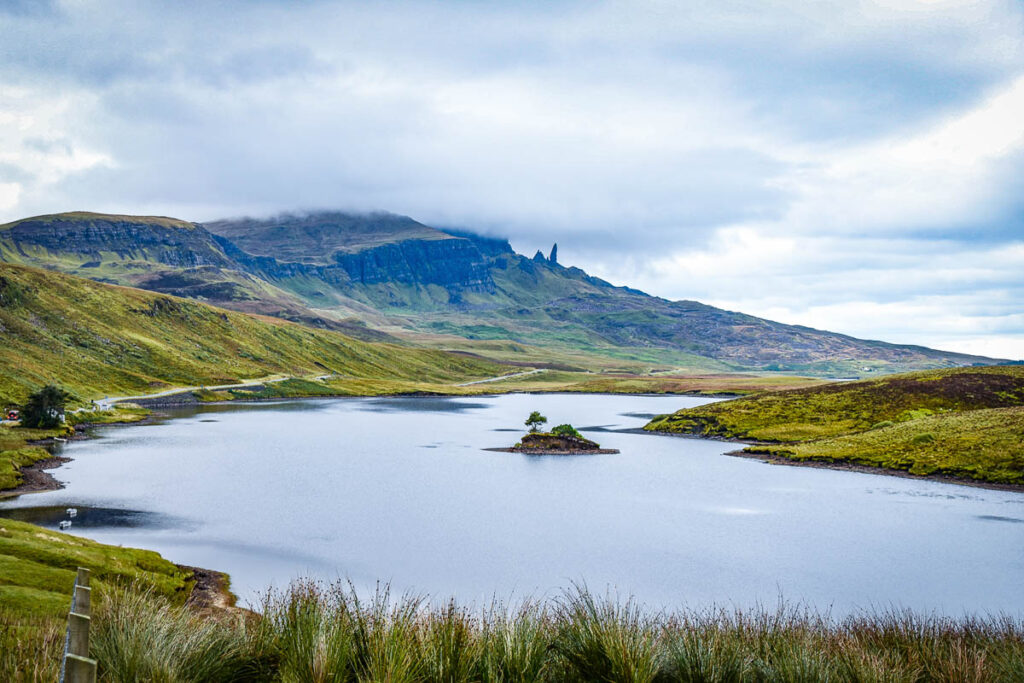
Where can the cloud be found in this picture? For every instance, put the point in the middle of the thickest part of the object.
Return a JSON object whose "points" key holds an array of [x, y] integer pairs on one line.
{"points": [[833, 153]]}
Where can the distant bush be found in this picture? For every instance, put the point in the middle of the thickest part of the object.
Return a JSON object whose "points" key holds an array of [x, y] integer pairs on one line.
{"points": [[45, 408], [566, 430]]}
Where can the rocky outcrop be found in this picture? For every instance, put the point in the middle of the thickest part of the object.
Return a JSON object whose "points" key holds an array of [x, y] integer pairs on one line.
{"points": [[556, 442], [543, 443], [453, 264], [346, 250], [173, 243]]}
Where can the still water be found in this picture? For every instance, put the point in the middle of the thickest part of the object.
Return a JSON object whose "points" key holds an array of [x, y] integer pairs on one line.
{"points": [[401, 490]]}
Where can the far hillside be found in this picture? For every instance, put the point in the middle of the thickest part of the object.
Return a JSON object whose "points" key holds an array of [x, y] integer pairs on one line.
{"points": [[97, 339]]}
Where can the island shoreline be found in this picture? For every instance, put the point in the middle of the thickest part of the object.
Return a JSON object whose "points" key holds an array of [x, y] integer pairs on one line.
{"points": [[771, 459]]}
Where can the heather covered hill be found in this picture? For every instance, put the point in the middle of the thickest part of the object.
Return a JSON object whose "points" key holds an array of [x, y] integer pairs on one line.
{"points": [[985, 445], [847, 407], [963, 422]]}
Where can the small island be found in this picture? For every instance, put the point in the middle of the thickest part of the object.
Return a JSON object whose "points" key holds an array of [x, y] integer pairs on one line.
{"points": [[563, 439]]}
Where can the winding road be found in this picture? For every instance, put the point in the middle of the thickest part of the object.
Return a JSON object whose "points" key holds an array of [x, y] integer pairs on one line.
{"points": [[498, 379], [108, 402]]}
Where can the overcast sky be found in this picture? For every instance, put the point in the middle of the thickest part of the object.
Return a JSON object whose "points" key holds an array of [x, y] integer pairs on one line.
{"points": [[853, 166]]}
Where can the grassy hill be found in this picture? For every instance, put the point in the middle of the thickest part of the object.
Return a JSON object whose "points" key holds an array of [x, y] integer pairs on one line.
{"points": [[966, 422], [986, 445], [97, 339], [37, 569]]}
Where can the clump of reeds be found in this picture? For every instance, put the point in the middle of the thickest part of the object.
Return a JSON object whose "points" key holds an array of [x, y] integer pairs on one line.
{"points": [[139, 636], [319, 633]]}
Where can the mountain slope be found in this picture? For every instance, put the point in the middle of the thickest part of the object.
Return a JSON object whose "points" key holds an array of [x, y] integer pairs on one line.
{"points": [[369, 273], [157, 253], [98, 339]]}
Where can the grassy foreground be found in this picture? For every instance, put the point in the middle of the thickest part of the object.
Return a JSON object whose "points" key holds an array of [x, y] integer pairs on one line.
{"points": [[37, 571], [964, 422], [319, 634]]}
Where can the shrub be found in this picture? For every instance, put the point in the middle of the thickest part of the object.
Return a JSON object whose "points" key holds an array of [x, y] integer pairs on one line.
{"points": [[566, 430]]}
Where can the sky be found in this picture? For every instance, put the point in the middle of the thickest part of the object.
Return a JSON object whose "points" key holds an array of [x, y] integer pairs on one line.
{"points": [[851, 166]]}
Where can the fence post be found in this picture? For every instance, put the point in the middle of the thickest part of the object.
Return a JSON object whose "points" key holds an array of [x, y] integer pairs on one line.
{"points": [[78, 635], [83, 600], [76, 667], [79, 669]]}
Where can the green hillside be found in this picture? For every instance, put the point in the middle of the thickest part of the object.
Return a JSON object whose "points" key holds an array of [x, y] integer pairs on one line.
{"points": [[986, 444], [966, 422], [848, 407], [97, 340]]}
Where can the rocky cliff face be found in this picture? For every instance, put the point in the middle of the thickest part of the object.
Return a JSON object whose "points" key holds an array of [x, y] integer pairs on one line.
{"points": [[346, 250], [430, 258], [456, 264], [178, 244]]}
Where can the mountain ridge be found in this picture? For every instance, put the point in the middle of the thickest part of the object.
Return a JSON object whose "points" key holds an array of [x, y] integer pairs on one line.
{"points": [[380, 273]]}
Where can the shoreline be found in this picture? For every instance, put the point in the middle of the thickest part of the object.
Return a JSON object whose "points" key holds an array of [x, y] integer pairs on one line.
{"points": [[169, 402], [211, 593], [770, 459], [36, 479], [548, 451]]}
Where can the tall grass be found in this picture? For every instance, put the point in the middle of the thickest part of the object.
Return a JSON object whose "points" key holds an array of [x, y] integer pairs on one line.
{"points": [[138, 636], [30, 647], [319, 633]]}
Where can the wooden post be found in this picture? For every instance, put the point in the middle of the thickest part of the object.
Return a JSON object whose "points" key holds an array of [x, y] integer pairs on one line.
{"points": [[82, 579], [79, 669], [78, 634], [83, 600], [76, 666]]}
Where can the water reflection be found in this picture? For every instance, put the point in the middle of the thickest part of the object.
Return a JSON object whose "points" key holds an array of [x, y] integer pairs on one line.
{"points": [[998, 518], [87, 517], [420, 405]]}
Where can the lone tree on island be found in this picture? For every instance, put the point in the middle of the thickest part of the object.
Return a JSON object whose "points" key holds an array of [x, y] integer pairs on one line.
{"points": [[535, 421], [45, 408]]}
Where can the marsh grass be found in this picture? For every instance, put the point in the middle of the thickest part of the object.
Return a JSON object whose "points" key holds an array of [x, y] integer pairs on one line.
{"points": [[30, 647], [316, 633], [138, 636]]}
